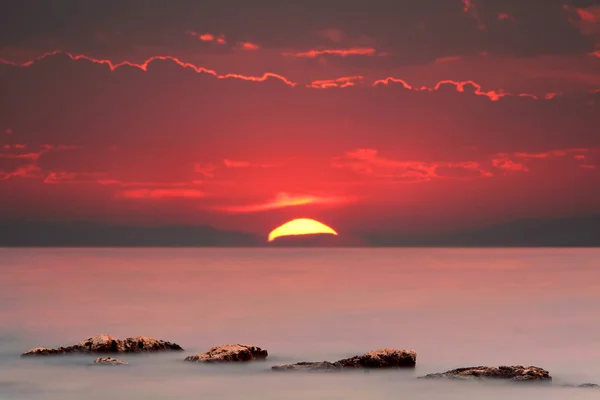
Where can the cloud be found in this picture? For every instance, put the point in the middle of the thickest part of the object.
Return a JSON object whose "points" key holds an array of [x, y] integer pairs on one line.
{"points": [[343, 82], [29, 171], [471, 9], [284, 200], [447, 59], [160, 194], [58, 177], [358, 51], [516, 162], [493, 95], [245, 164], [147, 184], [12, 152], [368, 162], [507, 164], [208, 37], [207, 170], [469, 85], [14, 146], [249, 46], [332, 34], [578, 153], [144, 66], [506, 17], [587, 20]]}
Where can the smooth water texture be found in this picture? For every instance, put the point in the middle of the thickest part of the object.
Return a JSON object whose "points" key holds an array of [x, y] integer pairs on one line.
{"points": [[455, 307]]}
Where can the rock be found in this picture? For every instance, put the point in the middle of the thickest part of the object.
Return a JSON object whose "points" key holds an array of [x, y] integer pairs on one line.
{"points": [[43, 351], [142, 343], [108, 344], [319, 366], [102, 343], [109, 361], [516, 373], [230, 353], [583, 385], [383, 358]]}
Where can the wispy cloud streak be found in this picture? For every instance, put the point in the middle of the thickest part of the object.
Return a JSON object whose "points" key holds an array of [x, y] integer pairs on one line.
{"points": [[144, 66], [284, 200], [493, 95], [358, 51]]}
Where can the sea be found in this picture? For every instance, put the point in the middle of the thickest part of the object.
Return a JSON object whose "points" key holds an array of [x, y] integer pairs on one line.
{"points": [[454, 307]]}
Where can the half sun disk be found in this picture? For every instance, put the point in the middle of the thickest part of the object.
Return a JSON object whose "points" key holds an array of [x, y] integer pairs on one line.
{"points": [[300, 226]]}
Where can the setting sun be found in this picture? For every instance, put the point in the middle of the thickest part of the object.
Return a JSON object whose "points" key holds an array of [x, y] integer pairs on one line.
{"points": [[300, 226]]}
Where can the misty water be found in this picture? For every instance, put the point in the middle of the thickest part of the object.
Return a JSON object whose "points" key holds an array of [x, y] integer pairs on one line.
{"points": [[455, 307]]}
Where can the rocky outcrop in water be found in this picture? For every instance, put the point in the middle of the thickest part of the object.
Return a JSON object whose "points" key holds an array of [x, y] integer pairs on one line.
{"points": [[109, 361], [230, 353], [515, 373], [317, 366], [382, 358], [108, 344], [583, 385]]}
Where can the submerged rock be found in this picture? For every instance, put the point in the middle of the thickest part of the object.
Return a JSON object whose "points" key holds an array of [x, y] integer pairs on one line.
{"points": [[583, 385], [317, 366], [382, 358], [515, 373], [104, 343], [109, 361], [589, 385], [230, 353]]}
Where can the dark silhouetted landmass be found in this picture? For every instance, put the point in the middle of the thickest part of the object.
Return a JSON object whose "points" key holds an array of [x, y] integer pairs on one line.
{"points": [[560, 232], [91, 234]]}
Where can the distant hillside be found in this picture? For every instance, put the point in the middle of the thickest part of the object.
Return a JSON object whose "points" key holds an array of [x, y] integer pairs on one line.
{"points": [[571, 232], [35, 233], [567, 232]]}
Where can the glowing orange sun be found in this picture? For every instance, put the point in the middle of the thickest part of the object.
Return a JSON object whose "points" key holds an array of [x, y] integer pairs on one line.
{"points": [[300, 226]]}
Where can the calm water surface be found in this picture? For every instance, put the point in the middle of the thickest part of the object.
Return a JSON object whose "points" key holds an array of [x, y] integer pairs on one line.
{"points": [[456, 307]]}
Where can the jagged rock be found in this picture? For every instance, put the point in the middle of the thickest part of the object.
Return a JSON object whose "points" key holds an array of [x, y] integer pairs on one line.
{"points": [[143, 343], [382, 358], [230, 353], [109, 361], [104, 343], [43, 351], [515, 373], [318, 366]]}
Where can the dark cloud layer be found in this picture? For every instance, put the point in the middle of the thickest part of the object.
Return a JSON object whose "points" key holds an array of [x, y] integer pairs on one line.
{"points": [[414, 31], [451, 117]]}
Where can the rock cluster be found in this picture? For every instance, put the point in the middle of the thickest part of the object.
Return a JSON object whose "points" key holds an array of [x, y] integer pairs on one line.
{"points": [[108, 344], [516, 373], [109, 361], [377, 359], [230, 353], [382, 358]]}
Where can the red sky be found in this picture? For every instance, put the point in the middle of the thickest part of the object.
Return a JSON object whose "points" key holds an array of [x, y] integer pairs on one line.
{"points": [[373, 116]]}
